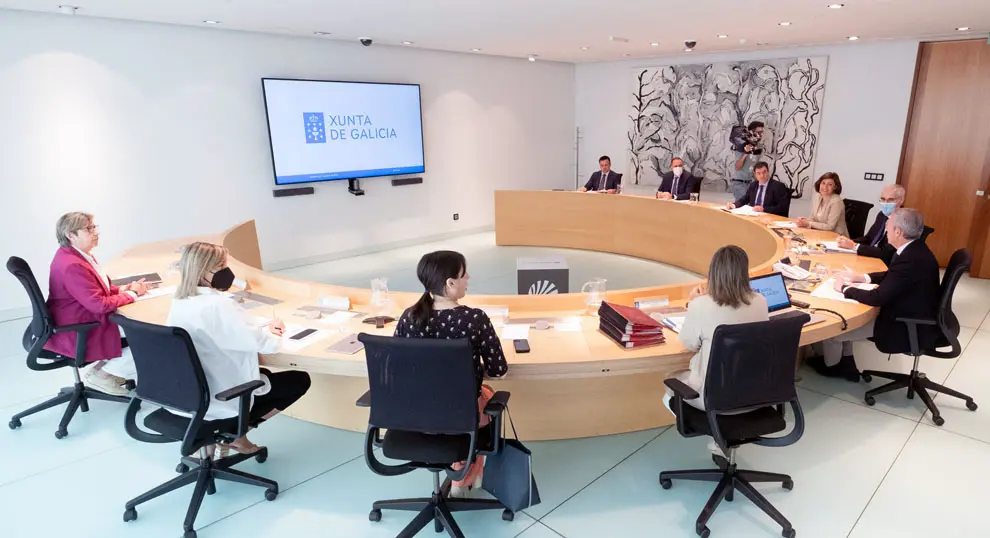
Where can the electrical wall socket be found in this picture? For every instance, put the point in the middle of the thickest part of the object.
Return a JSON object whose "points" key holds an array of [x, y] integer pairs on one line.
{"points": [[873, 176]]}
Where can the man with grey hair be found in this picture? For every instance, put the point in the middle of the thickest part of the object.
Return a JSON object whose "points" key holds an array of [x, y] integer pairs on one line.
{"points": [[908, 289], [874, 244]]}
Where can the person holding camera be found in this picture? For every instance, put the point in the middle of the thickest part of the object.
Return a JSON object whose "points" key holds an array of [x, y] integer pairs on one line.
{"points": [[746, 149]]}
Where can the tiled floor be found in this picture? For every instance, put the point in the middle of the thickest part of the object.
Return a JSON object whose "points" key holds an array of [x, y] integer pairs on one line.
{"points": [[859, 472]]}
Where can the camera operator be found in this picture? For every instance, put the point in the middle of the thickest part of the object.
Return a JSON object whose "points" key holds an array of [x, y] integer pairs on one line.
{"points": [[746, 148]]}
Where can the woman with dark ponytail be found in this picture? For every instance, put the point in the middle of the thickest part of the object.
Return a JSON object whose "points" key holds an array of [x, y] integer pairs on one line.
{"points": [[437, 314]]}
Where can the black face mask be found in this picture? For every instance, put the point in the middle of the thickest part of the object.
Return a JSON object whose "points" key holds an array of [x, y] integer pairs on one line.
{"points": [[222, 279]]}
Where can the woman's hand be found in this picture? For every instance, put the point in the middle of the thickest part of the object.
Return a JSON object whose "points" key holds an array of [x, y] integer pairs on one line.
{"points": [[277, 327], [139, 287], [698, 291], [845, 242], [803, 222]]}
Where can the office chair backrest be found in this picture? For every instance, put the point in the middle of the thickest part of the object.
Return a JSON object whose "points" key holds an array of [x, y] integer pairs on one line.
{"points": [[422, 384], [857, 213], [948, 324], [752, 364], [168, 367], [41, 326]]}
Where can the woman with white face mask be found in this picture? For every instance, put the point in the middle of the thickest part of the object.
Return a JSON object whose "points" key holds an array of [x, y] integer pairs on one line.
{"points": [[227, 343], [828, 212]]}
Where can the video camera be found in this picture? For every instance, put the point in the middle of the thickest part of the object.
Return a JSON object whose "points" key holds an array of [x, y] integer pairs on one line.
{"points": [[741, 136]]}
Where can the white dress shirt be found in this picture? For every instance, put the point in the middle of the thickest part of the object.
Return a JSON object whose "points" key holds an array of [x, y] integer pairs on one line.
{"points": [[227, 343], [99, 271]]}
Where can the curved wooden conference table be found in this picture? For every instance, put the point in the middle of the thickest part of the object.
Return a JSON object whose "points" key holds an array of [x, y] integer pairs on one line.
{"points": [[572, 384]]}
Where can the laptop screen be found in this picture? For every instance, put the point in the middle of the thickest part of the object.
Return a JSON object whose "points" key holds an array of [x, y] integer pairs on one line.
{"points": [[773, 289]]}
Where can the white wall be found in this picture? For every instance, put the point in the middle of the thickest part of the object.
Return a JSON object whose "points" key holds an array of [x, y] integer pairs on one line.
{"points": [[160, 131], [867, 94]]}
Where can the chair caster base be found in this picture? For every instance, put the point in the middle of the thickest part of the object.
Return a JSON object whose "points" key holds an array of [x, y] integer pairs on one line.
{"points": [[61, 434], [508, 515], [938, 420], [189, 534], [972, 406], [130, 515], [375, 516], [666, 483], [703, 531], [789, 533], [14, 424], [271, 494], [182, 468]]}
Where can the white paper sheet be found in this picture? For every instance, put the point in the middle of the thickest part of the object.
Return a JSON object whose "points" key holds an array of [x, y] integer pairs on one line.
{"points": [[515, 332], [784, 224], [826, 290], [568, 327], [157, 292], [833, 246], [745, 211]]}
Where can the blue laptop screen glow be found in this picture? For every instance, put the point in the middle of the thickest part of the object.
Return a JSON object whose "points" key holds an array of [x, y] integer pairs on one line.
{"points": [[773, 289]]}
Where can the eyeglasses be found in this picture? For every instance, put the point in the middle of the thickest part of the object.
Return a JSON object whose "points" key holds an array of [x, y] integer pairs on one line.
{"points": [[93, 228]]}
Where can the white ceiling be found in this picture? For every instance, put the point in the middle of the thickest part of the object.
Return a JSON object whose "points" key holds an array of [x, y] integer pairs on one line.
{"points": [[558, 29]]}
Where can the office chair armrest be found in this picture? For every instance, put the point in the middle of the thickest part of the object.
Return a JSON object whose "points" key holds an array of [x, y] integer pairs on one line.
{"points": [[498, 403], [364, 400], [240, 390], [912, 327], [77, 327], [680, 389]]}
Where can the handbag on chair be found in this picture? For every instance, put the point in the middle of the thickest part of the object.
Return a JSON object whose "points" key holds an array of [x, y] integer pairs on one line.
{"points": [[509, 474]]}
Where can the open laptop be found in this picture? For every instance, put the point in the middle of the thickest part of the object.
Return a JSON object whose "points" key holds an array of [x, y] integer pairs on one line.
{"points": [[773, 289]]}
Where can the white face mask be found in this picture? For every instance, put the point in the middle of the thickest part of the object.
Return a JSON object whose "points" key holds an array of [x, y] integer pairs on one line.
{"points": [[678, 170]]}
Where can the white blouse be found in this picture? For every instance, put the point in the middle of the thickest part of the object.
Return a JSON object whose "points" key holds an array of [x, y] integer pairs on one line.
{"points": [[226, 342]]}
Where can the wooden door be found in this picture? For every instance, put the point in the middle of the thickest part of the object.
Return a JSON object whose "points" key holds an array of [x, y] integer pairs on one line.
{"points": [[944, 162]]}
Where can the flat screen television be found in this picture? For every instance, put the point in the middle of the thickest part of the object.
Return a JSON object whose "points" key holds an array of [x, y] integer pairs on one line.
{"points": [[327, 131]]}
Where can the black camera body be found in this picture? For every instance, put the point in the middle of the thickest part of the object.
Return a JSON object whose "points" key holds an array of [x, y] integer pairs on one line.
{"points": [[740, 137]]}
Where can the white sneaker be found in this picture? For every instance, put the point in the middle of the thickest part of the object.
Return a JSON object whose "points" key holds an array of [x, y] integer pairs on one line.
{"points": [[105, 383]]}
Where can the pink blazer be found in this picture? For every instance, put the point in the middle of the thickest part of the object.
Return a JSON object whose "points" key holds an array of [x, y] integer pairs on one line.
{"points": [[77, 294]]}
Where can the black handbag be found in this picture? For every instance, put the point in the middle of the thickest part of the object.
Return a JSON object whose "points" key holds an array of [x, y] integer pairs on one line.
{"points": [[509, 474]]}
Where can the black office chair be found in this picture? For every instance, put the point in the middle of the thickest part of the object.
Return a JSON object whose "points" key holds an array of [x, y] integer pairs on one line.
{"points": [[948, 329], [857, 213], [424, 394], [172, 378], [36, 335], [750, 377]]}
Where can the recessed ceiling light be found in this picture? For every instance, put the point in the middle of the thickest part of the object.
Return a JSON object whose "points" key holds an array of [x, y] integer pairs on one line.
{"points": [[963, 29], [785, 23], [853, 38], [584, 48], [532, 57], [321, 33], [654, 44], [475, 50], [618, 39], [722, 36], [836, 6], [66, 9], [407, 42], [212, 22]]}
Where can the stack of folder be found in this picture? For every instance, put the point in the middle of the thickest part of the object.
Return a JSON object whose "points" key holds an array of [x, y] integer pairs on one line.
{"points": [[629, 327]]}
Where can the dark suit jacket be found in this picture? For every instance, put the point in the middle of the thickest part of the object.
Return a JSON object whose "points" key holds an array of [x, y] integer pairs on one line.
{"points": [[776, 198], [611, 182], [908, 289], [883, 250], [685, 185]]}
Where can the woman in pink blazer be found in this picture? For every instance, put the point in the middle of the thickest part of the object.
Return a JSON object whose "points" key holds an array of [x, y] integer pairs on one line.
{"points": [[79, 292]]}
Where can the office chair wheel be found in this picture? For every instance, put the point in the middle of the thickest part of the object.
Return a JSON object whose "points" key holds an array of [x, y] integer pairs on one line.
{"points": [[189, 534], [666, 483], [867, 377], [375, 515], [14, 424], [508, 515], [789, 533], [130, 515], [788, 485], [182, 468], [59, 434], [870, 401], [702, 531], [938, 420], [271, 494], [261, 457], [969, 405]]}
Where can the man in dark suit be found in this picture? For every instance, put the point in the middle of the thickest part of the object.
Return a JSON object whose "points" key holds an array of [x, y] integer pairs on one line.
{"points": [[765, 195], [604, 180], [908, 289], [677, 184], [874, 244]]}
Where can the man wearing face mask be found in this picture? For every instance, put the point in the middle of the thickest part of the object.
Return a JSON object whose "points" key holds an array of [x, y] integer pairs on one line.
{"points": [[875, 243], [676, 184], [228, 344]]}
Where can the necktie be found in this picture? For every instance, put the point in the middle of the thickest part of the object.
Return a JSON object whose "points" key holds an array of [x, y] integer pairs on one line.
{"points": [[673, 190], [880, 232], [604, 179], [759, 195]]}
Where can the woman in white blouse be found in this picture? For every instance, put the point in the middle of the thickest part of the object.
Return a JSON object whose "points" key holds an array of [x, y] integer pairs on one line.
{"points": [[227, 343], [828, 212]]}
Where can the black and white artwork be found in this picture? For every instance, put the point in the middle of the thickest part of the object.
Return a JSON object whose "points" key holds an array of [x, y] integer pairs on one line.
{"points": [[688, 111]]}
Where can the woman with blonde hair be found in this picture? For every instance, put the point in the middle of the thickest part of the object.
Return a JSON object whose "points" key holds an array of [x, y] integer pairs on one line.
{"points": [[227, 343]]}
